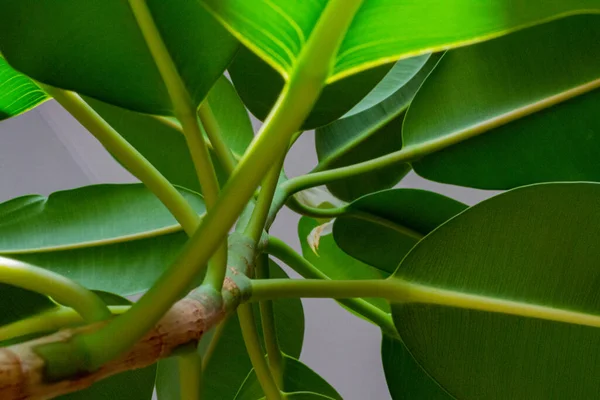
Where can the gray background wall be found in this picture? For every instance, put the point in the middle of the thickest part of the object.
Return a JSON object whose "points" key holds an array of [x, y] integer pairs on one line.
{"points": [[46, 150]]}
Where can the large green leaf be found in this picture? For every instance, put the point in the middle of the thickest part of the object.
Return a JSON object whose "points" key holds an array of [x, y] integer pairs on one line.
{"points": [[383, 30], [406, 380], [18, 93], [96, 48], [117, 238], [297, 377], [516, 110], [374, 132], [163, 144], [532, 249], [397, 216], [333, 262], [229, 365], [259, 86]]}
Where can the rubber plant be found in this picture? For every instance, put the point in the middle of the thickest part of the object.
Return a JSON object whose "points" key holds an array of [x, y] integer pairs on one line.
{"points": [[495, 301]]}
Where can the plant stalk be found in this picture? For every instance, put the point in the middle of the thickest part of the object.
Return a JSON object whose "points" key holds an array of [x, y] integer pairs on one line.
{"points": [[261, 368], [190, 375], [63, 290], [129, 157], [213, 131]]}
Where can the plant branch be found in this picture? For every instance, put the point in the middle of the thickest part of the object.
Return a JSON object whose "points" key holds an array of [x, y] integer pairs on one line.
{"points": [[303, 209], [213, 131], [48, 321], [190, 375], [260, 214], [185, 111], [285, 253], [267, 314], [255, 352], [129, 157], [60, 288]]}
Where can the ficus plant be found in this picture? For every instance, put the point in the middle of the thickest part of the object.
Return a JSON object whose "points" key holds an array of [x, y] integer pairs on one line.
{"points": [[495, 301]]}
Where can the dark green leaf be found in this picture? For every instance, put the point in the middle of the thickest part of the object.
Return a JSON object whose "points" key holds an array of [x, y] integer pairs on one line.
{"points": [[163, 144], [118, 238], [259, 86], [96, 48], [18, 93], [383, 30], [297, 377], [382, 227], [406, 380], [516, 110], [374, 132], [17, 303], [230, 364], [532, 248], [333, 262]]}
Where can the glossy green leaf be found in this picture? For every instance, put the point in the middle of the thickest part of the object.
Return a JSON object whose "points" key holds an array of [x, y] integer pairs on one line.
{"points": [[530, 247], [374, 132], [382, 227], [400, 74], [516, 110], [229, 365], [334, 262], [96, 48], [297, 377], [117, 238], [163, 144], [18, 93], [259, 86], [383, 30], [405, 378]]}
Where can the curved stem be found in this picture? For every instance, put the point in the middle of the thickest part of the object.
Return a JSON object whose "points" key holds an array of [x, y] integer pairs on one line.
{"points": [[255, 352], [214, 341], [185, 111], [129, 157], [267, 315], [51, 320], [190, 375], [258, 220], [213, 131], [303, 209], [294, 104], [285, 253], [60, 288]]}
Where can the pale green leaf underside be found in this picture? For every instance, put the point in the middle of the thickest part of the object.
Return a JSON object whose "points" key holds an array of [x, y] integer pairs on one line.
{"points": [[510, 285], [18, 93], [383, 31]]}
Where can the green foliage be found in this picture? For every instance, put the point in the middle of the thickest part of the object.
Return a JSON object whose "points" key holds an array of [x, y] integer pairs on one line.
{"points": [[494, 301]]}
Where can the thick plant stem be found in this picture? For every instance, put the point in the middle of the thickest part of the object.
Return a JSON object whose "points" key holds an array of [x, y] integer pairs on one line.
{"points": [[250, 334], [213, 131], [129, 157], [258, 220], [190, 375], [267, 315], [63, 290], [294, 104], [48, 321], [285, 253], [185, 111]]}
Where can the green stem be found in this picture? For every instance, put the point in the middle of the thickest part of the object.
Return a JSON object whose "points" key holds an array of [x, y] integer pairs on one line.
{"points": [[285, 253], [185, 111], [261, 369], [214, 341], [303, 209], [48, 321], [258, 220], [397, 290], [60, 288], [190, 375], [129, 157], [267, 315], [213, 131], [294, 104]]}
